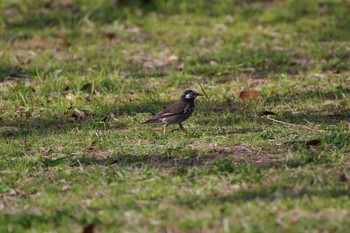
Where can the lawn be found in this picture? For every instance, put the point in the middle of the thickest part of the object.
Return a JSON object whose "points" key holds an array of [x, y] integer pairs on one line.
{"points": [[77, 77]]}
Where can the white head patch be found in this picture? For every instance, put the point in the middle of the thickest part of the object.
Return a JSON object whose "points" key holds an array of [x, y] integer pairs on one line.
{"points": [[188, 96]]}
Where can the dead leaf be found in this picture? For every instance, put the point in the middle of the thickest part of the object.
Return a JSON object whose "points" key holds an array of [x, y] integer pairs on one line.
{"points": [[313, 142], [250, 95], [88, 228]]}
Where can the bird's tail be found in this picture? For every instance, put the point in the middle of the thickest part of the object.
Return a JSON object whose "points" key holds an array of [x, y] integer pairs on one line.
{"points": [[150, 121]]}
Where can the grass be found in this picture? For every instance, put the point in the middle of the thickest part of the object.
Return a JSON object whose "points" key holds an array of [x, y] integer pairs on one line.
{"points": [[77, 78]]}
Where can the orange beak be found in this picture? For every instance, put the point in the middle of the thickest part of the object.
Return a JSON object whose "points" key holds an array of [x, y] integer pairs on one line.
{"points": [[200, 94]]}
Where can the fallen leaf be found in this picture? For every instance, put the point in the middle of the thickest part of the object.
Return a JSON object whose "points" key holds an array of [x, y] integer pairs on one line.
{"points": [[313, 142], [250, 95], [88, 228]]}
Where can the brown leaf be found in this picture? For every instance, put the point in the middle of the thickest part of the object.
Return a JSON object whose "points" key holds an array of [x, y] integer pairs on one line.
{"points": [[88, 228], [313, 142], [250, 95]]}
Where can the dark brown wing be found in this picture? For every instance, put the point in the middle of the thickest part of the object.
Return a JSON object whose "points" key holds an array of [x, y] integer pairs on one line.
{"points": [[174, 109]]}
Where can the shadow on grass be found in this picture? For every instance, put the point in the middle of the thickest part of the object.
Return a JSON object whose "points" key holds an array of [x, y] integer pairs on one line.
{"points": [[14, 74], [319, 117], [103, 119], [181, 161], [54, 13], [270, 193], [331, 114], [336, 94], [106, 118]]}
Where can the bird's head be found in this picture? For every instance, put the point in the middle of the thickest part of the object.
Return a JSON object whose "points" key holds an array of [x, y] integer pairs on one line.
{"points": [[190, 95]]}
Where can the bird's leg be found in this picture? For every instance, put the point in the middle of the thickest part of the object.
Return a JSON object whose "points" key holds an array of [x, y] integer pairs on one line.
{"points": [[165, 129], [182, 127]]}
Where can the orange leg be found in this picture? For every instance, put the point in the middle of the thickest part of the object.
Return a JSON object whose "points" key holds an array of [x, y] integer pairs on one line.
{"points": [[165, 129]]}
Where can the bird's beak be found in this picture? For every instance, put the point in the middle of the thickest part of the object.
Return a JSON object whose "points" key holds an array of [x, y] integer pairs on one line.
{"points": [[200, 94]]}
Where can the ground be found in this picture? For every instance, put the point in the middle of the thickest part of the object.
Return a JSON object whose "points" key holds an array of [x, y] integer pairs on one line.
{"points": [[78, 77]]}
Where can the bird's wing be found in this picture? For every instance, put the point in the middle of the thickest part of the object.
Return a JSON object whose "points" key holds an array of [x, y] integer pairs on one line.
{"points": [[174, 109]]}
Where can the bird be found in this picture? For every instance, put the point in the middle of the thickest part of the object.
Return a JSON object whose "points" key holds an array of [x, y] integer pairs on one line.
{"points": [[176, 113]]}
